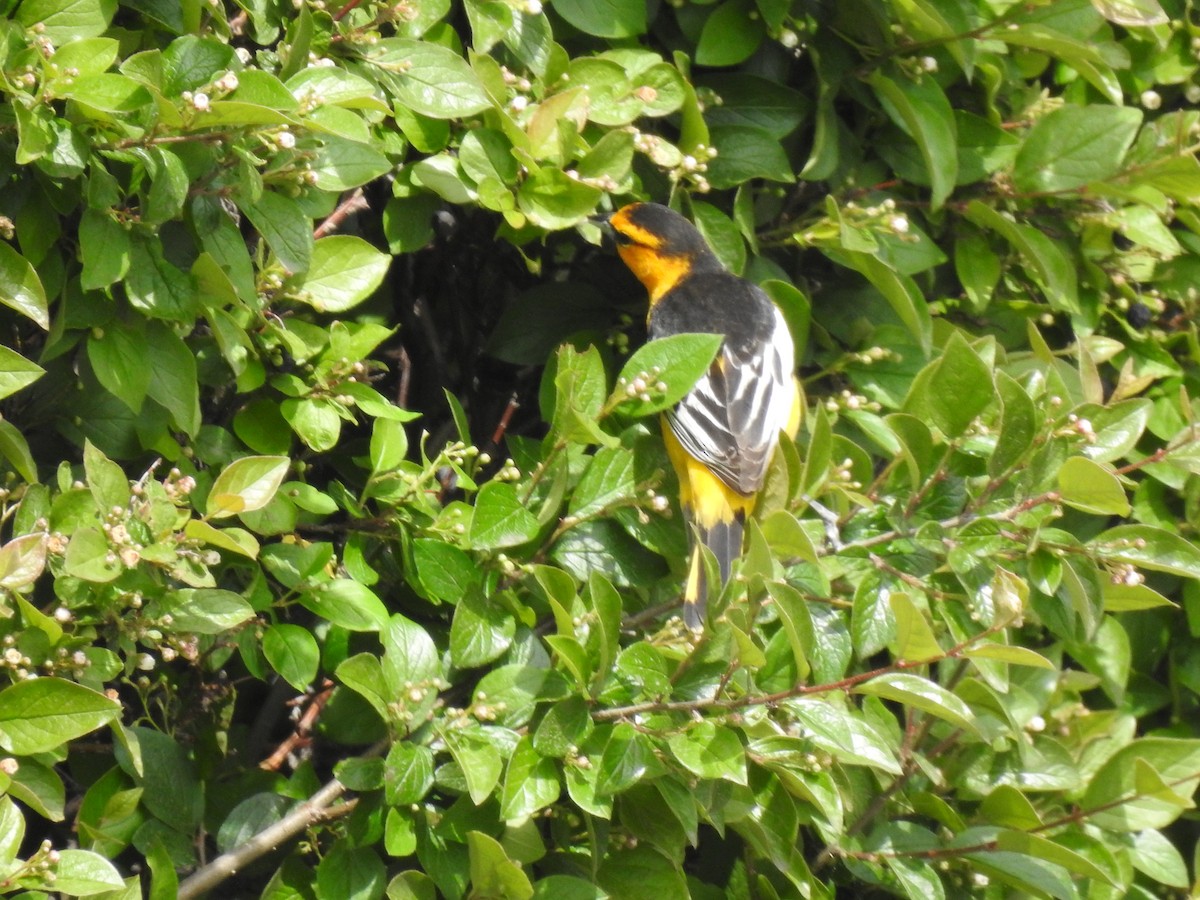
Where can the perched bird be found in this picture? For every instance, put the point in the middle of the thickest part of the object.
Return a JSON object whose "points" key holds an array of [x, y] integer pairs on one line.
{"points": [[721, 436]]}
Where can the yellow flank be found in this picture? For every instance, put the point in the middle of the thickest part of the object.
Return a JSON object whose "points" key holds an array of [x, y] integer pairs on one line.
{"points": [[710, 500], [796, 415], [659, 273]]}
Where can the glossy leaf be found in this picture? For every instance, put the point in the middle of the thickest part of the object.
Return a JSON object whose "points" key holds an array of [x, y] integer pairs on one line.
{"points": [[246, 484], [42, 715]]}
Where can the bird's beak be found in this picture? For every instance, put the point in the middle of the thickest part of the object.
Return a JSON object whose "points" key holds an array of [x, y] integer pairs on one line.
{"points": [[608, 241]]}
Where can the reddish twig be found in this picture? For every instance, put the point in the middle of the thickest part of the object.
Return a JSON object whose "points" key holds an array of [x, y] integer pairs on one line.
{"points": [[300, 736], [356, 202]]}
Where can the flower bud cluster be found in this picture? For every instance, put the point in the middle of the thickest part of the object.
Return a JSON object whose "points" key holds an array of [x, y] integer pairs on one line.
{"points": [[645, 386], [1126, 574], [848, 400]]}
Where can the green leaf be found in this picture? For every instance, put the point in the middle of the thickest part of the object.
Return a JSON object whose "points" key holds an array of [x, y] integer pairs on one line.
{"points": [[1017, 656], [900, 291], [481, 632], [285, 228], [363, 674], [501, 519], [344, 164], [445, 572], [744, 153], [1130, 597], [565, 725], [566, 887], [960, 387], [722, 235], [1155, 856], [249, 817], [20, 287], [1018, 425], [16, 372], [1132, 13], [921, 693], [756, 102], [15, 449], [512, 691], [1043, 848], [88, 557], [1091, 487], [407, 222], [410, 658], [41, 715], [429, 79], [658, 374], [731, 34], [245, 485], [530, 783], [915, 640], [480, 760], [315, 420], [626, 759], [351, 872], [118, 354], [1150, 548], [207, 610], [173, 382], [580, 388], [1042, 257], [1007, 807], [106, 480], [554, 200], [921, 109], [235, 540], [641, 873], [343, 272], [493, 874], [710, 751], [22, 561], [293, 652], [347, 603], [408, 776], [82, 873], [1075, 146], [872, 625], [12, 830], [63, 21], [168, 188], [157, 287], [609, 480], [104, 248], [604, 18], [1146, 784], [1118, 427]]}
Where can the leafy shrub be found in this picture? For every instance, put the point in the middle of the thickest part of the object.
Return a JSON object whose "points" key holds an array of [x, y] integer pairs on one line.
{"points": [[340, 547]]}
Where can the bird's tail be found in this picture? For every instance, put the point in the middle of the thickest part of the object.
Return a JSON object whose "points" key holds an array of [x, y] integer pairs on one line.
{"points": [[724, 539]]}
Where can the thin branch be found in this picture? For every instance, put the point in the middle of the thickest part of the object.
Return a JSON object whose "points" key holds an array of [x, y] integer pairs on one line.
{"points": [[1073, 817], [356, 202], [300, 735], [317, 808], [311, 811], [800, 690]]}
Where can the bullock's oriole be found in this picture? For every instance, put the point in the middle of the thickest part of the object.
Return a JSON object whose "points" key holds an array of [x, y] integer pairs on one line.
{"points": [[721, 436]]}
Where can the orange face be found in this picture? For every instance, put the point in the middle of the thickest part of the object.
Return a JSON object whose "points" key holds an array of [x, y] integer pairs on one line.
{"points": [[643, 252]]}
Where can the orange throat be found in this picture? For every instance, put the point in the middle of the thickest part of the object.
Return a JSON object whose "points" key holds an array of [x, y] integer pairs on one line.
{"points": [[657, 272]]}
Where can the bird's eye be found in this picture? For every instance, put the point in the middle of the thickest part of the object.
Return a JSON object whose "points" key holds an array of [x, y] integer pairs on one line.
{"points": [[622, 239]]}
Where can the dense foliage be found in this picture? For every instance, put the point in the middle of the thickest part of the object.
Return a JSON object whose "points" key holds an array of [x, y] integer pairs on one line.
{"points": [[340, 550]]}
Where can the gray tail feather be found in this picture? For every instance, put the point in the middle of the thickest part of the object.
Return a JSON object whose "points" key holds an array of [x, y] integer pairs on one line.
{"points": [[725, 541]]}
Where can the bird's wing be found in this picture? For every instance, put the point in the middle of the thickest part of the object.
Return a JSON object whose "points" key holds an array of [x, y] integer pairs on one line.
{"points": [[731, 419]]}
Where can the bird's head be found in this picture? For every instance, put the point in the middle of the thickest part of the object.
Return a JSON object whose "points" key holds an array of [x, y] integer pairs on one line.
{"points": [[658, 245]]}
